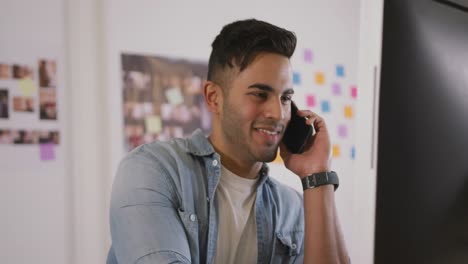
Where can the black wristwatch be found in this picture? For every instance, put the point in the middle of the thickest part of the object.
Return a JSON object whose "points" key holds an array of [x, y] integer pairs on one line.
{"points": [[319, 179]]}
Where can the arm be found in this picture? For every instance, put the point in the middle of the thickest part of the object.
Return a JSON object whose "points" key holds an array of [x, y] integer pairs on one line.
{"points": [[145, 222], [324, 242]]}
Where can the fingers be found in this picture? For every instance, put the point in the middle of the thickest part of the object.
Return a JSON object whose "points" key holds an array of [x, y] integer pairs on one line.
{"points": [[313, 119]]}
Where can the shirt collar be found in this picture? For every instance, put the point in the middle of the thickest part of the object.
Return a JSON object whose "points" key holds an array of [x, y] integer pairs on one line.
{"points": [[199, 145]]}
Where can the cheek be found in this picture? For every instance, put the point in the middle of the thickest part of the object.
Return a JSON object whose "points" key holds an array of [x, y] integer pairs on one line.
{"points": [[249, 113]]}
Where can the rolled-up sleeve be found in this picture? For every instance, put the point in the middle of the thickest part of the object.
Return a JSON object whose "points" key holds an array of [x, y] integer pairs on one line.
{"points": [[144, 215]]}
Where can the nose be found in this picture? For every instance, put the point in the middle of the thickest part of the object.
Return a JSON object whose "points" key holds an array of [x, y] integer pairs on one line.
{"points": [[275, 109]]}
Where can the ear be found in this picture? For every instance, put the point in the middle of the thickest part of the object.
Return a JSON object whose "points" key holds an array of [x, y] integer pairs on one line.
{"points": [[213, 96]]}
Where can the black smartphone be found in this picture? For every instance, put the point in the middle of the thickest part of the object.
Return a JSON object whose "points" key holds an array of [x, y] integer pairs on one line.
{"points": [[297, 132]]}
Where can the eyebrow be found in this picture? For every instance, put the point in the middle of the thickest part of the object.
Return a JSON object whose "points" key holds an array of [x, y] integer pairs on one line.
{"points": [[268, 88]]}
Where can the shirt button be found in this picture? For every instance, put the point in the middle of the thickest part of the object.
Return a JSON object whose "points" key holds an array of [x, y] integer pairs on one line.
{"points": [[193, 217], [293, 246], [215, 163]]}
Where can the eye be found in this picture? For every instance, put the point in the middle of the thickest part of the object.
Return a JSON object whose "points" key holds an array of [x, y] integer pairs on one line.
{"points": [[286, 98], [260, 95]]}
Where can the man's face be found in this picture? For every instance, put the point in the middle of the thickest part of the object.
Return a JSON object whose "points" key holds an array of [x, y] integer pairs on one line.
{"points": [[257, 107]]}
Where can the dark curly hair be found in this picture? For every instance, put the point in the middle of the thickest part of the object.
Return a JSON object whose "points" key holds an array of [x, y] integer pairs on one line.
{"points": [[240, 42]]}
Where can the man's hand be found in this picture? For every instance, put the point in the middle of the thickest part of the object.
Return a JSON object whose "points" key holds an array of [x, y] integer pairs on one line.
{"points": [[317, 153], [323, 242]]}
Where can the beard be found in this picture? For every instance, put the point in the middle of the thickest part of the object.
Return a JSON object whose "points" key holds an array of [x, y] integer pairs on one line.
{"points": [[232, 123]]}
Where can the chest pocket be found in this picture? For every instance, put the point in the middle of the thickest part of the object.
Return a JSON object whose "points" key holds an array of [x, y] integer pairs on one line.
{"points": [[288, 247]]}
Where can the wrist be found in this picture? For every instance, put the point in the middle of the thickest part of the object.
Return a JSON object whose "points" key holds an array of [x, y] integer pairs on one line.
{"points": [[309, 171]]}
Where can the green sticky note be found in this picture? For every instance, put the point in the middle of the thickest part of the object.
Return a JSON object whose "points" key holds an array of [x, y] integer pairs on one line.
{"points": [[27, 87], [174, 96], [153, 124]]}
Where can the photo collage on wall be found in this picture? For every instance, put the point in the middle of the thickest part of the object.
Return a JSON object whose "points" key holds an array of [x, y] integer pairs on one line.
{"points": [[162, 98], [21, 103]]}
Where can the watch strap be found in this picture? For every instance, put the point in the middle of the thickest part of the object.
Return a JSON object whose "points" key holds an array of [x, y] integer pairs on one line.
{"points": [[319, 179]]}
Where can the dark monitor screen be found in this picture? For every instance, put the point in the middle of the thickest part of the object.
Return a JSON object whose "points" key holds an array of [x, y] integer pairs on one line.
{"points": [[422, 167]]}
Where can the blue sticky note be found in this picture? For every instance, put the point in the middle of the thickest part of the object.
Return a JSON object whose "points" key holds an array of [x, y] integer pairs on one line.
{"points": [[325, 106], [296, 78], [353, 152], [340, 72]]}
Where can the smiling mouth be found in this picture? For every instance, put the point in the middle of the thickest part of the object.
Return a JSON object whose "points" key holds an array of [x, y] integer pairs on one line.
{"points": [[271, 133]]}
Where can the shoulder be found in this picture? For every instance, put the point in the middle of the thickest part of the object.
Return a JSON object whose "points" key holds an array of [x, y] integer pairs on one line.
{"points": [[150, 163], [156, 153], [150, 167]]}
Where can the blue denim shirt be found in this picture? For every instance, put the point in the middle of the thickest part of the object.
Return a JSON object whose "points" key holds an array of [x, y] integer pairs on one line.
{"points": [[164, 208]]}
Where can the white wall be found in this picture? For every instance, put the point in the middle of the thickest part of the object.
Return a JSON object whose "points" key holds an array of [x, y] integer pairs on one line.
{"points": [[35, 222], [365, 177]]}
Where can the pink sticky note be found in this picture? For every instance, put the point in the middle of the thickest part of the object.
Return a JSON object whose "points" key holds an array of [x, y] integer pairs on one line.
{"points": [[354, 92], [336, 89], [342, 131], [47, 151], [310, 100], [308, 55]]}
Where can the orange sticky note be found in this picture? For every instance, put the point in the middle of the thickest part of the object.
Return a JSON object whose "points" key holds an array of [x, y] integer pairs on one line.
{"points": [[348, 112], [320, 78], [278, 158], [336, 150]]}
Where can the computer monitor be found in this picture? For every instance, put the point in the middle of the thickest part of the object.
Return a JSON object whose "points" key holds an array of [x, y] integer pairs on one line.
{"points": [[422, 167]]}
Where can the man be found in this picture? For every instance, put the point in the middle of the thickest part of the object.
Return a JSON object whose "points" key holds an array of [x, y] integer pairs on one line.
{"points": [[210, 200]]}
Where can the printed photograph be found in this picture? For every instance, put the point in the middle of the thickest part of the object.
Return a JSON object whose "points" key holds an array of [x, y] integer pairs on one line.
{"points": [[49, 137], [47, 104], [23, 104], [5, 71], [6, 136], [47, 73], [162, 98], [22, 72], [22, 136], [25, 137], [4, 103]]}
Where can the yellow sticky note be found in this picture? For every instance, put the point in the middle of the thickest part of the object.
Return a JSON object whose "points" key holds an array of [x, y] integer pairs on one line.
{"points": [[27, 87], [153, 124], [336, 151], [174, 96], [320, 78], [348, 111]]}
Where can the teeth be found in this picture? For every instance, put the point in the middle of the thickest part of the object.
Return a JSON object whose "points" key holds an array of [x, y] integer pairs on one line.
{"points": [[268, 132]]}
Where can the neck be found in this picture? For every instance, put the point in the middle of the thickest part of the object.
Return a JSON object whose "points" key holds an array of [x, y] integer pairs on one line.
{"points": [[240, 166]]}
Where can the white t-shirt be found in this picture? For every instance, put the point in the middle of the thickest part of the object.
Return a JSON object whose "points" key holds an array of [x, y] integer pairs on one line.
{"points": [[237, 231]]}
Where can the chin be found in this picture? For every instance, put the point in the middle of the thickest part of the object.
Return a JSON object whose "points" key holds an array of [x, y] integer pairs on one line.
{"points": [[268, 155]]}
